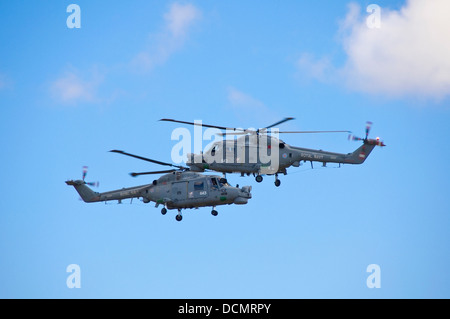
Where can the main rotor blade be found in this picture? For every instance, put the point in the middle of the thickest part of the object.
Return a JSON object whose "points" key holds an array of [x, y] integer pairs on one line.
{"points": [[279, 122], [154, 172], [148, 159], [312, 132], [230, 130], [202, 124], [291, 132], [228, 133]]}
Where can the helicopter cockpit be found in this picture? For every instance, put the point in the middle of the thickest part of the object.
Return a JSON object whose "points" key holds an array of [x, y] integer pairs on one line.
{"points": [[223, 182], [219, 182]]}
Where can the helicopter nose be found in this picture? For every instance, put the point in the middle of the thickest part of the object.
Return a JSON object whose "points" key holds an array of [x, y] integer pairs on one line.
{"points": [[240, 200], [240, 196], [246, 190], [243, 196]]}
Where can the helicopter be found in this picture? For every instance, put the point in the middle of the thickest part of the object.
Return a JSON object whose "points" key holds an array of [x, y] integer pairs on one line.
{"points": [[178, 188], [243, 155]]}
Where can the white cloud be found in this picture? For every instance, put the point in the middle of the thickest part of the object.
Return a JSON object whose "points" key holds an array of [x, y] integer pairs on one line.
{"points": [[239, 99], [71, 88], [180, 18], [5, 82], [246, 107], [319, 69], [408, 56], [74, 87], [177, 22]]}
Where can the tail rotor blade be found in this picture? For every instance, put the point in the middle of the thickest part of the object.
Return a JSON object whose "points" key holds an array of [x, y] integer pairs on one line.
{"points": [[368, 126], [354, 138], [85, 169], [95, 184]]}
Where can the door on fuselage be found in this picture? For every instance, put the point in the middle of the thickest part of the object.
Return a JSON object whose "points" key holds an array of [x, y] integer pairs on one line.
{"points": [[197, 189], [179, 190]]}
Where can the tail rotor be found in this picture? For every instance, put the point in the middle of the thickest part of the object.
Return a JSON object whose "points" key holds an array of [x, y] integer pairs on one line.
{"points": [[367, 140], [85, 170]]}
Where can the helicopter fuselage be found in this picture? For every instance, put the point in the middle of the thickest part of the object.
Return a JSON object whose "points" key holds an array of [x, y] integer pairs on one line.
{"points": [[191, 190], [176, 190], [261, 154]]}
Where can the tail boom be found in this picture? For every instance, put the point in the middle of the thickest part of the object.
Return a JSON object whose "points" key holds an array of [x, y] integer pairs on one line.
{"points": [[89, 196], [356, 157]]}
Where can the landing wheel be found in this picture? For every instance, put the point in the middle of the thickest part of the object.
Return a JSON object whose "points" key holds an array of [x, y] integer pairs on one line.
{"points": [[214, 212], [179, 217], [277, 182], [259, 178], [163, 211]]}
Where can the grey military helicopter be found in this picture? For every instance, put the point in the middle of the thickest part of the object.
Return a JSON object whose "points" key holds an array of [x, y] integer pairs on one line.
{"points": [[178, 189], [243, 155]]}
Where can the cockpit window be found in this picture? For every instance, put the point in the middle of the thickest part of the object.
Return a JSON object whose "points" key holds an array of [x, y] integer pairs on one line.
{"points": [[223, 182]]}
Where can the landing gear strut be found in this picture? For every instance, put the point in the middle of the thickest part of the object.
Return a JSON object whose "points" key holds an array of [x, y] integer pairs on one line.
{"points": [[179, 217], [277, 181]]}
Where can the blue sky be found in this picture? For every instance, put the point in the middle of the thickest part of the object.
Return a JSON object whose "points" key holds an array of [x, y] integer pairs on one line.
{"points": [[68, 96]]}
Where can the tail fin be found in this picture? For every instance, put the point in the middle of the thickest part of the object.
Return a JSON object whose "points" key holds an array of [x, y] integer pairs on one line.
{"points": [[360, 154], [87, 194]]}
